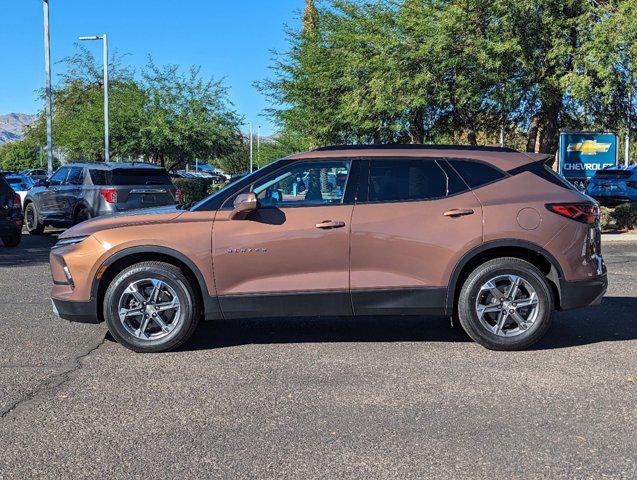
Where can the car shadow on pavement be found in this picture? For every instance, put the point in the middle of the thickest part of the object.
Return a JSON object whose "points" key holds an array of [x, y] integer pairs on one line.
{"points": [[33, 250], [228, 333], [612, 321]]}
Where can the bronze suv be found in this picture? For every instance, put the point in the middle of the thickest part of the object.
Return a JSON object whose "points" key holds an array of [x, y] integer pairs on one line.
{"points": [[491, 237]]}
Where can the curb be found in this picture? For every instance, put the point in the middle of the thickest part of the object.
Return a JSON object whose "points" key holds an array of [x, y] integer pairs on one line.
{"points": [[619, 237]]}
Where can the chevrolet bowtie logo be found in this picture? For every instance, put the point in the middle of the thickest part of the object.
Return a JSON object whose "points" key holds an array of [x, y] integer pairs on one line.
{"points": [[589, 147]]}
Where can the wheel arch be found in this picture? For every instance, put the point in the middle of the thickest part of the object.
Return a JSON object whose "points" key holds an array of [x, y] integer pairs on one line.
{"points": [[538, 256], [78, 206], [130, 256]]}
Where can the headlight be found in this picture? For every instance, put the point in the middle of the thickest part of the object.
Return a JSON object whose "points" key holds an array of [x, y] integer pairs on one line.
{"points": [[68, 241]]}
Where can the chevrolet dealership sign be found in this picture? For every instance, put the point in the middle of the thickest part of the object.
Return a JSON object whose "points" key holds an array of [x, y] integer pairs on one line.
{"points": [[582, 154]]}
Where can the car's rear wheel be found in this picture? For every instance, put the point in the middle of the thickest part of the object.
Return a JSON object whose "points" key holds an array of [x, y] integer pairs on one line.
{"points": [[151, 307], [32, 220], [506, 304], [82, 215], [12, 240]]}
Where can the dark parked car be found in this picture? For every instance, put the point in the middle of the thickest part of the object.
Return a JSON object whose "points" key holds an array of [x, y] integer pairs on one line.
{"points": [[612, 186], [79, 191], [10, 215]]}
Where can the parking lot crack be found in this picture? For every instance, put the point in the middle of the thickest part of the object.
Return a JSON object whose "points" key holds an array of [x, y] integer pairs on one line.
{"points": [[53, 383]]}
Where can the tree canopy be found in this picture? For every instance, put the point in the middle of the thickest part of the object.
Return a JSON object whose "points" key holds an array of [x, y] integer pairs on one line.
{"points": [[166, 116], [455, 71]]}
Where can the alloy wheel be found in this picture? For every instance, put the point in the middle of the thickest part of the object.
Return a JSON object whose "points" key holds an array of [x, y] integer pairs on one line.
{"points": [[507, 305], [149, 309]]}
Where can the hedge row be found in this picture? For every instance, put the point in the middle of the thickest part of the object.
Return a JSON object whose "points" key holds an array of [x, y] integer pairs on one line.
{"points": [[192, 189], [622, 217]]}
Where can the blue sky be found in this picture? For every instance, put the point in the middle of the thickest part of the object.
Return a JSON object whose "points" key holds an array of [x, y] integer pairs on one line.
{"points": [[230, 39]]}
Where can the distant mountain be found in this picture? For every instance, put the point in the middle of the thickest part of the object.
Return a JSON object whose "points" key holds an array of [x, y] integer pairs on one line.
{"points": [[12, 126]]}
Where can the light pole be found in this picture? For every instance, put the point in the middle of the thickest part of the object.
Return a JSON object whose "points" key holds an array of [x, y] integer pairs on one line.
{"points": [[628, 118], [259, 146], [251, 147], [47, 68], [104, 38]]}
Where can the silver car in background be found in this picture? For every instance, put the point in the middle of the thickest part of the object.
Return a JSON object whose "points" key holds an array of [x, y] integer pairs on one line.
{"points": [[80, 191]]}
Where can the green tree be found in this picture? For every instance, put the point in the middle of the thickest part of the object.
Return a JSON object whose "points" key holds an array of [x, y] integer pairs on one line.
{"points": [[186, 117]]}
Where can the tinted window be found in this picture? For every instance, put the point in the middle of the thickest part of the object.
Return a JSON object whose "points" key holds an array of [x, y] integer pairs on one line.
{"points": [[130, 176], [76, 176], [98, 177], [542, 170], [59, 177], [304, 183], [476, 174], [14, 180], [139, 176], [403, 180]]}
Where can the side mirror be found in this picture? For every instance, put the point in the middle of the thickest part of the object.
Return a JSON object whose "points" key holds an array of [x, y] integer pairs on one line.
{"points": [[244, 203]]}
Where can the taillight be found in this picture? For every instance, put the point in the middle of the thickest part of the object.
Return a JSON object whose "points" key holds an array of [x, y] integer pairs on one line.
{"points": [[632, 185], [17, 202], [109, 194], [179, 196], [23, 186], [580, 212]]}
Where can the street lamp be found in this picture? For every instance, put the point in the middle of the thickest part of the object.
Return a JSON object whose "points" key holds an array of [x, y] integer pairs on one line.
{"points": [[104, 38], [47, 68]]}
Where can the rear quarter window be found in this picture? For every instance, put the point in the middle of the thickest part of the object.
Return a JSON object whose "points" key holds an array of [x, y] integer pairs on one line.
{"points": [[476, 174]]}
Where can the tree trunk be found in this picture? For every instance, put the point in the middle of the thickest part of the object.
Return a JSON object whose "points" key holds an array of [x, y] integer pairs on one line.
{"points": [[548, 136], [472, 137], [416, 128], [533, 130]]}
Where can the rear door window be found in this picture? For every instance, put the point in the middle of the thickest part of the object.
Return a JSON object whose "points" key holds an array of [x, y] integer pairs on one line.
{"points": [[396, 180]]}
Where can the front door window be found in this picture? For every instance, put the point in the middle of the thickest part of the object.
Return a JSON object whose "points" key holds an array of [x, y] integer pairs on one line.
{"points": [[304, 184]]}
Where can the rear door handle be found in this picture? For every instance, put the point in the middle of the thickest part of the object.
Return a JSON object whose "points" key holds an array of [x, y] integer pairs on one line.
{"points": [[328, 224], [459, 212]]}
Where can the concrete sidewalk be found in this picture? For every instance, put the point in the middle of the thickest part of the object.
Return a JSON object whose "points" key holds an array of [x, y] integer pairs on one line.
{"points": [[619, 237]]}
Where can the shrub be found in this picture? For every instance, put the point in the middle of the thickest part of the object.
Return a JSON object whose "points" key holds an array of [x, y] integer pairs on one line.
{"points": [[606, 217], [625, 215], [192, 189]]}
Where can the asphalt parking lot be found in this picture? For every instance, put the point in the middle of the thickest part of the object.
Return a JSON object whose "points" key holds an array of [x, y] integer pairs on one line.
{"points": [[327, 398]]}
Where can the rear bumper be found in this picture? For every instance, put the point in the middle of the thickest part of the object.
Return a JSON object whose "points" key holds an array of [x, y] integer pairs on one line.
{"points": [[81, 312], [582, 293]]}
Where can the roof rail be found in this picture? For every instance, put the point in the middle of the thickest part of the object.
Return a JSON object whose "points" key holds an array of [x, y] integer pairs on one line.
{"points": [[398, 146]]}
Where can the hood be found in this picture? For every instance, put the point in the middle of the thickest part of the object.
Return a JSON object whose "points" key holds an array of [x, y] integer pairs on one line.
{"points": [[147, 216]]}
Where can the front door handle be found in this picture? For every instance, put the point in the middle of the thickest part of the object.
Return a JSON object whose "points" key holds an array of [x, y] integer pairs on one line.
{"points": [[328, 224], [459, 212]]}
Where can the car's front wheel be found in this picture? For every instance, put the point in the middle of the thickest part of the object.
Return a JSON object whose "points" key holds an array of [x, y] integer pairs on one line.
{"points": [[506, 304], [151, 307]]}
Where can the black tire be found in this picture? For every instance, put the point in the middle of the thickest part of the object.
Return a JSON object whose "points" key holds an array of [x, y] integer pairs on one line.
{"points": [[468, 315], [172, 276], [12, 240], [83, 214], [32, 220]]}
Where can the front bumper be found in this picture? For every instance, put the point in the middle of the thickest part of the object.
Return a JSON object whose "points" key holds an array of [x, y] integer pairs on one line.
{"points": [[81, 312], [582, 293]]}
